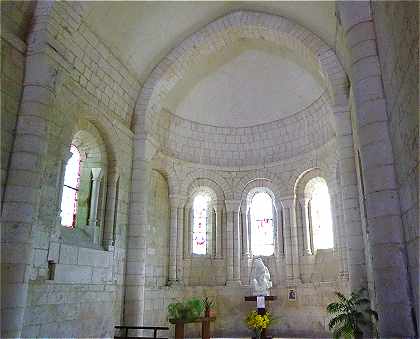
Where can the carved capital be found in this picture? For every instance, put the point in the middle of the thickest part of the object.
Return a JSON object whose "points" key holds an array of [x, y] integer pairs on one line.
{"points": [[177, 200], [232, 205]]}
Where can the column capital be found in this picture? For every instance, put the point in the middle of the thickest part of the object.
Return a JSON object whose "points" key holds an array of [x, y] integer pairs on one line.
{"points": [[232, 205], [96, 173], [287, 202], [302, 201], [219, 205], [177, 200]]}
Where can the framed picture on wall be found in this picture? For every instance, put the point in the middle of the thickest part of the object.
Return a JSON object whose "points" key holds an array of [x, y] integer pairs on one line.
{"points": [[291, 294]]}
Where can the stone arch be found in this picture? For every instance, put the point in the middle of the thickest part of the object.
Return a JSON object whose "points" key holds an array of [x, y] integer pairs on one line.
{"points": [[255, 183], [217, 35], [209, 186], [301, 200], [204, 174]]}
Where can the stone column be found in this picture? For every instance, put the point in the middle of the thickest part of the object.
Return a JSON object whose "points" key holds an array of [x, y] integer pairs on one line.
{"points": [[384, 236], [231, 248], [96, 183], [111, 206], [307, 250], [136, 239], [218, 237], [176, 246], [173, 241], [180, 244], [340, 242], [246, 254], [245, 231], [187, 231], [22, 191], [280, 234], [292, 254], [236, 247]]}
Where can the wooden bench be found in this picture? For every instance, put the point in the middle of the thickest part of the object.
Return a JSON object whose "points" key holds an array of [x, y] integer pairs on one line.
{"points": [[126, 328]]}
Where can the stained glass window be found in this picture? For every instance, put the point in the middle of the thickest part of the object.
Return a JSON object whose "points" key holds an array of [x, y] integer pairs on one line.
{"points": [[200, 221], [71, 189], [320, 214], [261, 213]]}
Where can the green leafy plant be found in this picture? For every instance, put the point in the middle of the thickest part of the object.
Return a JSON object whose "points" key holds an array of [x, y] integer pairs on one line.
{"points": [[350, 314], [208, 305], [188, 310]]}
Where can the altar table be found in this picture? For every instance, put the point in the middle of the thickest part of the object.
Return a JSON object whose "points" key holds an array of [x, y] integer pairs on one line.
{"points": [[205, 326]]}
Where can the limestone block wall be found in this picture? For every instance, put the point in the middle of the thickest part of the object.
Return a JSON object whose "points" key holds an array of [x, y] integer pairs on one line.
{"points": [[15, 18], [315, 277], [157, 233], [78, 300], [305, 317], [90, 63], [397, 29], [223, 146], [72, 290]]}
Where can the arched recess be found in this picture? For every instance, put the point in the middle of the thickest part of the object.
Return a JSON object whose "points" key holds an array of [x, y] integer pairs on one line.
{"points": [[308, 251], [184, 184], [89, 225], [216, 209], [219, 34], [251, 187], [305, 237]]}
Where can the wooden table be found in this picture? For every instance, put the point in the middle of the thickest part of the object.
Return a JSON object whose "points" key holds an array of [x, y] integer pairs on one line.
{"points": [[205, 326]]}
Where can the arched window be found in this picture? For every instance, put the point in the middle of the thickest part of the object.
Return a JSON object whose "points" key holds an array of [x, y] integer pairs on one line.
{"points": [[261, 215], [71, 189], [319, 212], [201, 212]]}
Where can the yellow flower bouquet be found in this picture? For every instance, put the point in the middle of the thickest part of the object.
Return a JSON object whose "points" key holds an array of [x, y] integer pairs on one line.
{"points": [[257, 322]]}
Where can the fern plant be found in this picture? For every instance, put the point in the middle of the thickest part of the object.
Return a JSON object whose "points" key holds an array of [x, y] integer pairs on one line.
{"points": [[350, 314]]}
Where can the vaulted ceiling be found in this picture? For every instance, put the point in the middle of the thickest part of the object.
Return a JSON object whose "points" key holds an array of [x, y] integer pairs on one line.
{"points": [[141, 33]]}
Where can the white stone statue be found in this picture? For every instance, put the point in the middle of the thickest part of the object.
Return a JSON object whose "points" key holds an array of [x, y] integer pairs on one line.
{"points": [[260, 278]]}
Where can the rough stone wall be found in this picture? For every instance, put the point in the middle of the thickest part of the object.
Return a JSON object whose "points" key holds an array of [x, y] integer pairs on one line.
{"points": [[397, 30], [15, 17], [90, 87]]}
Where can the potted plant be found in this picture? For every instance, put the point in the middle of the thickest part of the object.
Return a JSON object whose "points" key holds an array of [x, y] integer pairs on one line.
{"points": [[350, 314], [208, 305], [258, 323], [188, 310]]}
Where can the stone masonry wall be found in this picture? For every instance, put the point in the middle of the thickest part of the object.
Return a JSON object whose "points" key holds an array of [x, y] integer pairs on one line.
{"points": [[397, 29], [157, 242], [76, 291], [222, 146], [319, 274], [15, 17]]}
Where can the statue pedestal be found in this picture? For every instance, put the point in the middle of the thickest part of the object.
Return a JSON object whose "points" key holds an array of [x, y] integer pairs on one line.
{"points": [[262, 311]]}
